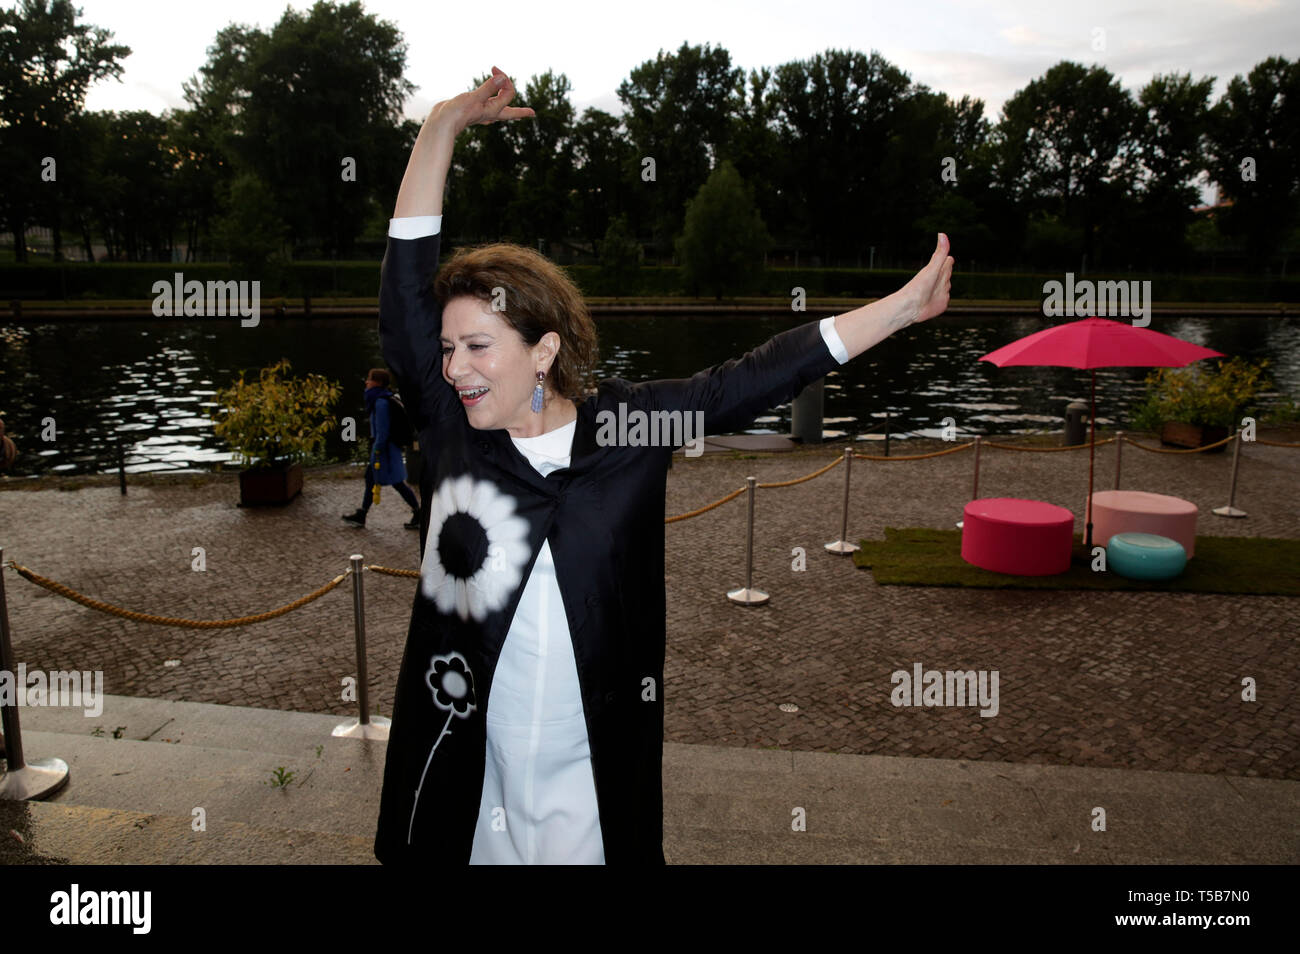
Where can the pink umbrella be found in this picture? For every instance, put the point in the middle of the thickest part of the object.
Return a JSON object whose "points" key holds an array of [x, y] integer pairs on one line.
{"points": [[1098, 343]]}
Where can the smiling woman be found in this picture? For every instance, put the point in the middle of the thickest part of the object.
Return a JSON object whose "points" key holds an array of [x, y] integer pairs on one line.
{"points": [[511, 317], [528, 719]]}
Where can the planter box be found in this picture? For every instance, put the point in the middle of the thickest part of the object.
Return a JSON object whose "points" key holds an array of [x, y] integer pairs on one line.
{"points": [[270, 486], [1192, 435]]}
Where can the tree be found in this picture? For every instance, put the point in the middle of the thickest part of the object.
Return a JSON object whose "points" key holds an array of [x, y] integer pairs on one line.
{"points": [[134, 204], [1170, 140], [966, 206], [1255, 156], [679, 111], [620, 252], [607, 176], [248, 231], [838, 116], [754, 147], [47, 63], [724, 240], [1066, 148], [309, 103], [483, 182], [544, 178]]}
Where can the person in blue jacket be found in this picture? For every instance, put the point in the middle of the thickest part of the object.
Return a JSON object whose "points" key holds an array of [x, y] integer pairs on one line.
{"points": [[385, 467]]}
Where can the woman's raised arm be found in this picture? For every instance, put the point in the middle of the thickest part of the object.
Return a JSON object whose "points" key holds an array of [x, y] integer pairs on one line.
{"points": [[410, 318], [728, 396], [922, 298], [426, 170]]}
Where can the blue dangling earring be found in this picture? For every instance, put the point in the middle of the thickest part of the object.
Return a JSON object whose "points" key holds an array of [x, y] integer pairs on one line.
{"points": [[537, 392]]}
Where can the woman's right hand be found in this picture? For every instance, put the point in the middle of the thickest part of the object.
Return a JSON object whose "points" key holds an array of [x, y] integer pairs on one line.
{"points": [[487, 104]]}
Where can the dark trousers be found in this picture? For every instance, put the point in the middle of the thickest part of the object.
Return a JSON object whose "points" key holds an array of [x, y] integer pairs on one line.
{"points": [[406, 493]]}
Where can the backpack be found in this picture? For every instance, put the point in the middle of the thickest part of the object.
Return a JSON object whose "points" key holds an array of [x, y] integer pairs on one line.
{"points": [[399, 423]]}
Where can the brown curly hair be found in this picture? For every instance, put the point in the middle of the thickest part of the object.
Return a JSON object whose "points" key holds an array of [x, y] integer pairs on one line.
{"points": [[539, 297]]}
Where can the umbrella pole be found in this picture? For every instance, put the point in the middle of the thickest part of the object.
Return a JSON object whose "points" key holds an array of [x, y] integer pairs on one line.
{"points": [[1092, 450]]}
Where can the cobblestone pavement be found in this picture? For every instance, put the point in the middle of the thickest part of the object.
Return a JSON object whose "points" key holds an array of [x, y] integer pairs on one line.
{"points": [[1117, 680]]}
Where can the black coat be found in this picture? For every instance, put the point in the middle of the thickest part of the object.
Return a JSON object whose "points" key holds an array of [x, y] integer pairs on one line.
{"points": [[603, 516]]}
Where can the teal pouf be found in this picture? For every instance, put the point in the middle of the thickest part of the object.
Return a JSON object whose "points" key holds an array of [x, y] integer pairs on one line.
{"points": [[1145, 556]]}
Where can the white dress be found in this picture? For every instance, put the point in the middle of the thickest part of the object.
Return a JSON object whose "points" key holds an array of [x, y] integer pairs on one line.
{"points": [[539, 793]]}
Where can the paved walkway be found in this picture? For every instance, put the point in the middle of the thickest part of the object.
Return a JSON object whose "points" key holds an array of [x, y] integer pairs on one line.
{"points": [[1097, 680]]}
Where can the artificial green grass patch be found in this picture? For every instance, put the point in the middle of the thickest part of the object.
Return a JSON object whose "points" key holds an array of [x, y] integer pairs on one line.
{"points": [[918, 556]]}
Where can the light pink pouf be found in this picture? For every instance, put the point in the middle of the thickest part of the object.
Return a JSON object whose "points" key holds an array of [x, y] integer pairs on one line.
{"points": [[1020, 537], [1135, 511]]}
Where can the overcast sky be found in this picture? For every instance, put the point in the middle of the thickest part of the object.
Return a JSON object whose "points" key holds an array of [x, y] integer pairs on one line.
{"points": [[985, 48]]}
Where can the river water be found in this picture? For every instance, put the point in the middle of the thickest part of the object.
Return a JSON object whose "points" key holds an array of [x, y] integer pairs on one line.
{"points": [[149, 383]]}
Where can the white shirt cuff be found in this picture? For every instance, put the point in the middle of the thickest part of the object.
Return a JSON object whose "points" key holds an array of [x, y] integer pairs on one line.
{"points": [[832, 339], [414, 226]]}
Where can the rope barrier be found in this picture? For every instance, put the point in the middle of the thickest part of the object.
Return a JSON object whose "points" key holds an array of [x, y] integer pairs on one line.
{"points": [[389, 571], [1190, 450], [950, 450], [706, 508], [103, 607], [87, 601], [1049, 450], [799, 480]]}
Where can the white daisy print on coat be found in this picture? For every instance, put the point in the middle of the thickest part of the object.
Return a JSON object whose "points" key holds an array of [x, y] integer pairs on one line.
{"points": [[476, 549]]}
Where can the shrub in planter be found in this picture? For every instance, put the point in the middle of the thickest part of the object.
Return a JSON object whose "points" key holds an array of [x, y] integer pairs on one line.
{"points": [[1198, 405], [274, 423]]}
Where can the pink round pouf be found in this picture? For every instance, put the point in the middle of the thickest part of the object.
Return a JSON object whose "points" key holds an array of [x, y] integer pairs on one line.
{"points": [[1136, 511], [1020, 537]]}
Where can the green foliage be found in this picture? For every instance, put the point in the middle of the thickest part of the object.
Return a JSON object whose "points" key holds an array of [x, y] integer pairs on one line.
{"points": [[1195, 395], [1068, 143], [281, 778], [248, 231], [290, 104], [843, 153], [677, 108], [1256, 120], [48, 61], [725, 238], [276, 418], [1285, 411], [620, 252], [126, 281]]}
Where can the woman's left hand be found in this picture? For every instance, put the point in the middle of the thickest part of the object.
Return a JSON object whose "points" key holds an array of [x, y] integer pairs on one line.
{"points": [[927, 293]]}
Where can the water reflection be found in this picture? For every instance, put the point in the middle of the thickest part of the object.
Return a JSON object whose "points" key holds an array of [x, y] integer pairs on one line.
{"points": [[149, 384]]}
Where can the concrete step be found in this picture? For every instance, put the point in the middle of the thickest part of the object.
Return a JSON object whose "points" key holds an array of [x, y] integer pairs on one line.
{"points": [[721, 804], [57, 833], [335, 793], [191, 723]]}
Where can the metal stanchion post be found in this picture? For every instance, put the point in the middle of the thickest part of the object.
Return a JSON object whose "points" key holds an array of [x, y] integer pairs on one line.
{"points": [[842, 545], [747, 595], [22, 779], [975, 485], [1230, 510], [366, 727], [1119, 455]]}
